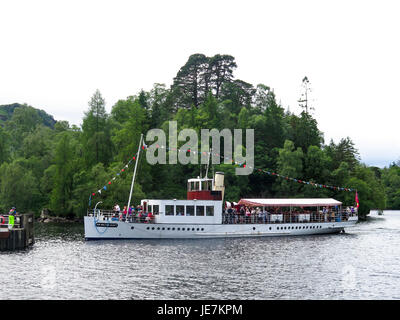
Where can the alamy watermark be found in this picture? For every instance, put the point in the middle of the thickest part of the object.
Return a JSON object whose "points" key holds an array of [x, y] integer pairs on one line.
{"points": [[190, 152]]}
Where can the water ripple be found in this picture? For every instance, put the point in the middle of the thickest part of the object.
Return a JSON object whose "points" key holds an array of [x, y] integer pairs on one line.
{"points": [[363, 263]]}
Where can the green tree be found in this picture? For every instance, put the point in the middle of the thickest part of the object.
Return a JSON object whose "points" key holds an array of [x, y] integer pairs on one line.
{"points": [[18, 188], [127, 138], [4, 146], [220, 71], [304, 132], [290, 163], [63, 177], [344, 151], [190, 80], [391, 181], [96, 132]]}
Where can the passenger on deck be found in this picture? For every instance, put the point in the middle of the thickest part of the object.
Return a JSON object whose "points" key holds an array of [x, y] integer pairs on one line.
{"points": [[325, 213], [135, 216], [242, 214], [229, 213], [237, 216], [265, 216], [124, 213], [248, 214], [141, 216], [253, 215], [332, 215], [259, 215], [149, 217], [131, 210]]}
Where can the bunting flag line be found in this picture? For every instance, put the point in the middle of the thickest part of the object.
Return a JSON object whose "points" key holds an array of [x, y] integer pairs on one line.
{"points": [[133, 158], [316, 185]]}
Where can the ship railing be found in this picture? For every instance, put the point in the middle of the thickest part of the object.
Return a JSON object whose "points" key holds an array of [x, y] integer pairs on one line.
{"points": [[110, 215], [229, 218], [5, 223]]}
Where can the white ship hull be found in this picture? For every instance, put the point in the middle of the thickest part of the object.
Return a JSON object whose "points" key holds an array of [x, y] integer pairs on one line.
{"points": [[104, 229]]}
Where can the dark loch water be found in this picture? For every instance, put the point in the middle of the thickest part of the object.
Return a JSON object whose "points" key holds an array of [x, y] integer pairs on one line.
{"points": [[363, 263]]}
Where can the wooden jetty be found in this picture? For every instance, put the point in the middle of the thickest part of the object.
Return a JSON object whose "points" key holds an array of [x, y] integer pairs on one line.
{"points": [[17, 235]]}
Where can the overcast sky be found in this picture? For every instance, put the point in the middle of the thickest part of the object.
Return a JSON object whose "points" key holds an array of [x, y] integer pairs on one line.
{"points": [[55, 54]]}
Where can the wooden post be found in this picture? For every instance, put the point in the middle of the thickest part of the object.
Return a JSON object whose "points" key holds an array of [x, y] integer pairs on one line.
{"points": [[20, 236]]}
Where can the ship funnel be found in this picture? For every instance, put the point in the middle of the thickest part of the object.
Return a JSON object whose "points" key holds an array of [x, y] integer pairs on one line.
{"points": [[219, 183]]}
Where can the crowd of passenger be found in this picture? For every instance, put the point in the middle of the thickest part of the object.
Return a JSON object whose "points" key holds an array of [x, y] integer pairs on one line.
{"points": [[131, 214], [244, 214], [247, 215]]}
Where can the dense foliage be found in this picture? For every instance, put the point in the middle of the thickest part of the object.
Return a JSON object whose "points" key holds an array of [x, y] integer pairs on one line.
{"points": [[58, 166]]}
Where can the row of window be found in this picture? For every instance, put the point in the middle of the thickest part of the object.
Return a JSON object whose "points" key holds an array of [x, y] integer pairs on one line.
{"points": [[298, 227], [173, 229], [254, 228], [181, 210], [200, 185]]}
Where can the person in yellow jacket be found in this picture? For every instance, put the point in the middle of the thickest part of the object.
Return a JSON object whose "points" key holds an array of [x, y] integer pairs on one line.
{"points": [[11, 217], [11, 221]]}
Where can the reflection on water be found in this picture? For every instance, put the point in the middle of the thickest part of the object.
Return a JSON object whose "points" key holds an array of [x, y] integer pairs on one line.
{"points": [[363, 263]]}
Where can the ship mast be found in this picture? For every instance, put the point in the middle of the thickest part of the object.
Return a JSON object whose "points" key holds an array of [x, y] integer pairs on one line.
{"points": [[134, 172], [208, 162]]}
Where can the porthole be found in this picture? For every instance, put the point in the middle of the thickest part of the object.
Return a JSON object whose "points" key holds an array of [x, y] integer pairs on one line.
{"points": [[270, 228], [277, 228], [152, 228], [163, 228], [254, 228], [132, 228], [183, 229], [158, 228], [192, 229], [198, 229], [173, 229], [148, 228], [178, 229], [202, 229]]}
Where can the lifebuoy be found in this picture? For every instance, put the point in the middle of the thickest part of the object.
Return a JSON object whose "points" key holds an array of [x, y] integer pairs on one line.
{"points": [[2, 220]]}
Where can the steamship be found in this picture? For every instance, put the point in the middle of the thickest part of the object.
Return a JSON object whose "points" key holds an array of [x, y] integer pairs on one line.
{"points": [[202, 215]]}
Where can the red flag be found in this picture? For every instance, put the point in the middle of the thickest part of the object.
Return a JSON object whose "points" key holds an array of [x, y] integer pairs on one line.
{"points": [[358, 203]]}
